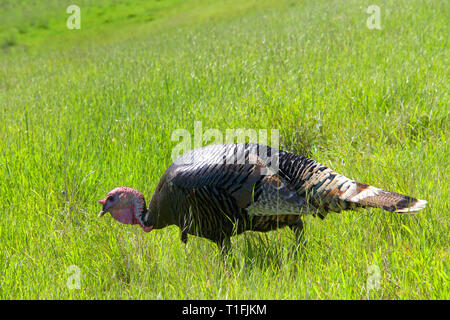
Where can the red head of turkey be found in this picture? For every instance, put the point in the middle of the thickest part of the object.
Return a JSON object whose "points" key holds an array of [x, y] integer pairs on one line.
{"points": [[126, 205]]}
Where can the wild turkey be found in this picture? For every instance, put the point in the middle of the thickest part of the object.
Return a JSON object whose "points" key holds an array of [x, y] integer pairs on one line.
{"points": [[221, 190]]}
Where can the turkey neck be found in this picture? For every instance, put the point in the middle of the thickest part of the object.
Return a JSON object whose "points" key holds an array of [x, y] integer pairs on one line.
{"points": [[156, 215]]}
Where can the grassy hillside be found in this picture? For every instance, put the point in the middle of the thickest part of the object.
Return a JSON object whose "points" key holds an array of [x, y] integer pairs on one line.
{"points": [[83, 111]]}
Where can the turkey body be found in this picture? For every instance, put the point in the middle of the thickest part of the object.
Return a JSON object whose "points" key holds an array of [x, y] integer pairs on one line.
{"points": [[221, 190]]}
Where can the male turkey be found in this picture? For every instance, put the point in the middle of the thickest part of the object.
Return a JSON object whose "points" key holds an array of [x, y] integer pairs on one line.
{"points": [[221, 190]]}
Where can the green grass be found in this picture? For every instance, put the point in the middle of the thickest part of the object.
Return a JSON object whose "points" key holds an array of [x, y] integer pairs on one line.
{"points": [[84, 111]]}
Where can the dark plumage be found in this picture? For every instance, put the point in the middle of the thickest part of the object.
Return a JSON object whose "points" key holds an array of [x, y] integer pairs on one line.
{"points": [[221, 190]]}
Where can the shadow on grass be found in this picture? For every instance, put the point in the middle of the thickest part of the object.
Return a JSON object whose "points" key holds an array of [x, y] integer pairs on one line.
{"points": [[255, 250]]}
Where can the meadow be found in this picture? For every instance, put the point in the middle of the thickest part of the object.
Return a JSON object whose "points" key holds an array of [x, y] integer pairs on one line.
{"points": [[83, 111]]}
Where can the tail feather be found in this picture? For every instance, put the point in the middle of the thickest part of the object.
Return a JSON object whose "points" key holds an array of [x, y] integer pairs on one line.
{"points": [[369, 196], [328, 190]]}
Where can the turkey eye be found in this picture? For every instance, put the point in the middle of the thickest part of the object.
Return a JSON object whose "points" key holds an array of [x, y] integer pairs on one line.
{"points": [[110, 198]]}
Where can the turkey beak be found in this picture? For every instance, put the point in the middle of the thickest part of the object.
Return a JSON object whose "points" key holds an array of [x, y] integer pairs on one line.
{"points": [[103, 211]]}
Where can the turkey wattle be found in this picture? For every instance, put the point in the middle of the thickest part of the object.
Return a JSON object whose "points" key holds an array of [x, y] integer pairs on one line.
{"points": [[221, 190]]}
